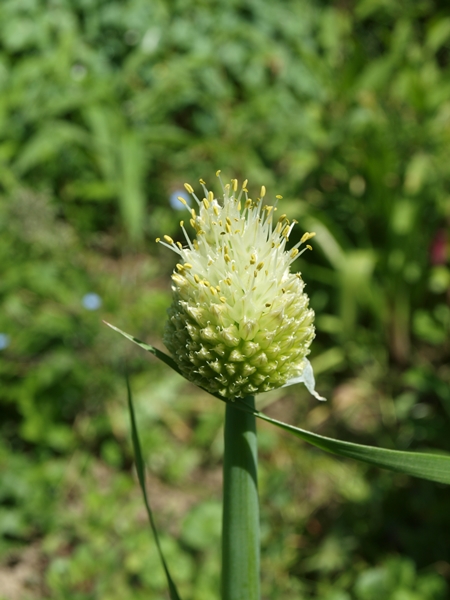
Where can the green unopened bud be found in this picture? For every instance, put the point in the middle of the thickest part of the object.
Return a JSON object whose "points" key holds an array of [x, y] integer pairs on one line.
{"points": [[240, 322]]}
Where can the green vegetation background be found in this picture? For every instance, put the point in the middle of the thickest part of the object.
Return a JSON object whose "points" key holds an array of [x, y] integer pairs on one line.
{"points": [[106, 108]]}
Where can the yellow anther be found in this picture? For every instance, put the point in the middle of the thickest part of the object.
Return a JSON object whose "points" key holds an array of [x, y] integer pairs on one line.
{"points": [[218, 173], [259, 266], [205, 203], [228, 228], [239, 206], [206, 283], [218, 288], [294, 252], [195, 244], [268, 304], [252, 259], [180, 245], [227, 187], [227, 258], [168, 239], [189, 188], [248, 203], [182, 200], [196, 278], [216, 210], [285, 232], [158, 240], [202, 181], [213, 290], [279, 197], [255, 273], [228, 220], [244, 184], [187, 266], [263, 191], [193, 213], [309, 247], [235, 184], [210, 196], [281, 218], [193, 223], [223, 299], [228, 281], [180, 267], [181, 223], [307, 236]]}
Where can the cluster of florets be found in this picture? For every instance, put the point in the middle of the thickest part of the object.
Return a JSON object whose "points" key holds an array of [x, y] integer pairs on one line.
{"points": [[239, 323]]}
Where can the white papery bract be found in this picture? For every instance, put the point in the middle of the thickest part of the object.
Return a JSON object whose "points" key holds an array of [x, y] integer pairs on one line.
{"points": [[240, 322]]}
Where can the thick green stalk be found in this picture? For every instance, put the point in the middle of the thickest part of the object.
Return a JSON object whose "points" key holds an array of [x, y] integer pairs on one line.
{"points": [[240, 525]]}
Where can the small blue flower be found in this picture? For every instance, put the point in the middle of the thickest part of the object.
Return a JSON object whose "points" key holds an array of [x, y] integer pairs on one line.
{"points": [[4, 341], [175, 199], [91, 301]]}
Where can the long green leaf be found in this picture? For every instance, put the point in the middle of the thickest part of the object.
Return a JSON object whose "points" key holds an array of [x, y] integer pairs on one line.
{"points": [[141, 476], [434, 467]]}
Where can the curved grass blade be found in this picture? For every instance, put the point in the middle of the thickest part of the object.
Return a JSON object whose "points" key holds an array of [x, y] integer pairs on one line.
{"points": [[141, 476], [434, 467], [165, 358]]}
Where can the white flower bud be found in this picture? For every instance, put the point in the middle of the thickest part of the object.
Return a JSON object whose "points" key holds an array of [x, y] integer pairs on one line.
{"points": [[239, 323]]}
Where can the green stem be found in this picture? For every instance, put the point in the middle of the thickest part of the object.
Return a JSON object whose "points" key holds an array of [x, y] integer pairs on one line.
{"points": [[240, 525]]}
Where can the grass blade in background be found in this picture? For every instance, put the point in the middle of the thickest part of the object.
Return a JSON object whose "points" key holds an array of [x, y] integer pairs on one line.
{"points": [[141, 475], [131, 195], [434, 467]]}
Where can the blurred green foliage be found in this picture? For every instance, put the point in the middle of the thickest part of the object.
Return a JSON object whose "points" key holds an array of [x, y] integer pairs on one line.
{"points": [[106, 108]]}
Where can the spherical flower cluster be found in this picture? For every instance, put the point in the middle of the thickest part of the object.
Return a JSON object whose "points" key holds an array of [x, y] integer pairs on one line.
{"points": [[239, 323]]}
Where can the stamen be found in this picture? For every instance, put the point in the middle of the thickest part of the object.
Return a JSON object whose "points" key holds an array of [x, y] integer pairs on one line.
{"points": [[307, 236]]}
